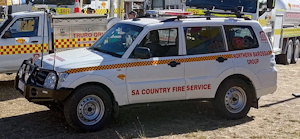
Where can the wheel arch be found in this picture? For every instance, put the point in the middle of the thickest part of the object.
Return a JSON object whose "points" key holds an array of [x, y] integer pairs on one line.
{"points": [[241, 73], [248, 81], [103, 82], [110, 93], [240, 76]]}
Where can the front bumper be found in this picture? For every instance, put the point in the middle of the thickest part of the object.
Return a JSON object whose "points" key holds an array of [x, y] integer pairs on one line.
{"points": [[34, 92]]}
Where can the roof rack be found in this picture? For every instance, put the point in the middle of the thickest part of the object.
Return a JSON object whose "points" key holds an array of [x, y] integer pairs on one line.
{"points": [[209, 13], [238, 12]]}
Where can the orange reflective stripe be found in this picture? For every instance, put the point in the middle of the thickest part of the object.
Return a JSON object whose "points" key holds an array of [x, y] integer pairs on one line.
{"points": [[150, 63], [22, 49]]}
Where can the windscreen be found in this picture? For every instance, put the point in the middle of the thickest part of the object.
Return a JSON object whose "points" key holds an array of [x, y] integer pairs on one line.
{"points": [[249, 5], [117, 39]]}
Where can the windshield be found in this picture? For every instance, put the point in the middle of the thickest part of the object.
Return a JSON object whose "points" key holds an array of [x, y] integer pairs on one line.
{"points": [[117, 39], [262, 7]]}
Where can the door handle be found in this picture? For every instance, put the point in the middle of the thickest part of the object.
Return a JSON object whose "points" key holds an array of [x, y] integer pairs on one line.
{"points": [[34, 41], [221, 59], [174, 64]]}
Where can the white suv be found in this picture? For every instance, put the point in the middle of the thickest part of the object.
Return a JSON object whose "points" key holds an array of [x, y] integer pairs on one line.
{"points": [[150, 60]]}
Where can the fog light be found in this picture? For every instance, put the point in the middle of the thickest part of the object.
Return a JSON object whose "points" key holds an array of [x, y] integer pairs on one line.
{"points": [[34, 92], [45, 92]]}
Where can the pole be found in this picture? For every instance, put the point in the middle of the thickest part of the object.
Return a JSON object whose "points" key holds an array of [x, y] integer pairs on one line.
{"points": [[81, 2], [112, 8], [120, 8], [43, 35]]}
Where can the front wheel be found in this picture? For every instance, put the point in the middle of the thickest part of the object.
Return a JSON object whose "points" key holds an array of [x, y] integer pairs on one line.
{"points": [[296, 52], [233, 99], [286, 58], [88, 109]]}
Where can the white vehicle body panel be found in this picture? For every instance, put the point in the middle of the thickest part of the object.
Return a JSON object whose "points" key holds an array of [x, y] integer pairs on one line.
{"points": [[134, 80]]}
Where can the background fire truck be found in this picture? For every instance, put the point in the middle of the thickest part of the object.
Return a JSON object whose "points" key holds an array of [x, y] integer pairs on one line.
{"points": [[280, 20]]}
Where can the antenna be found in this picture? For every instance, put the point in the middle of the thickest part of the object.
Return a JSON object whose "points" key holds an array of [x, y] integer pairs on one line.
{"points": [[42, 58]]}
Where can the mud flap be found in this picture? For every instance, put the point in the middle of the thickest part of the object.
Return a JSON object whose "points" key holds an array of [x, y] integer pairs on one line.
{"points": [[255, 103]]}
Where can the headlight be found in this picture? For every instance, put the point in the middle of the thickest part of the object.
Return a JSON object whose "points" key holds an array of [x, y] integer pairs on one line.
{"points": [[63, 76], [50, 81]]}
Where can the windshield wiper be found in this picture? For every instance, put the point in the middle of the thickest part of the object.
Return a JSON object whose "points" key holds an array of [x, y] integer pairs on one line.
{"points": [[108, 52]]}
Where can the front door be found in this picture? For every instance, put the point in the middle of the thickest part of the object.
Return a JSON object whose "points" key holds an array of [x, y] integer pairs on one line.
{"points": [[161, 77], [22, 42]]}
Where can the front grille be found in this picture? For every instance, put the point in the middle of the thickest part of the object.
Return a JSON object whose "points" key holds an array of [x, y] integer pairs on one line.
{"points": [[32, 73]]}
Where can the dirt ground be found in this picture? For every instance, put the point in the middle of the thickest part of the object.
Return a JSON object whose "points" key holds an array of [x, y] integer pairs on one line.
{"points": [[277, 117]]}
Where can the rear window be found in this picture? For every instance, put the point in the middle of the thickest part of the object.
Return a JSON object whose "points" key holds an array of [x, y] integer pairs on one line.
{"points": [[240, 37]]}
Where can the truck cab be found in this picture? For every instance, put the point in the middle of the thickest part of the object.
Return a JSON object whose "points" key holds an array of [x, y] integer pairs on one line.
{"points": [[21, 38], [27, 35]]}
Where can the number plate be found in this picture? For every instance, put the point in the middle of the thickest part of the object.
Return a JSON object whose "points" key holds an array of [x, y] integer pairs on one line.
{"points": [[21, 85]]}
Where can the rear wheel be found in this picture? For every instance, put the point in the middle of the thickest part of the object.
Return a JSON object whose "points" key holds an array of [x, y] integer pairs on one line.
{"points": [[233, 99], [88, 109], [286, 58], [296, 52]]}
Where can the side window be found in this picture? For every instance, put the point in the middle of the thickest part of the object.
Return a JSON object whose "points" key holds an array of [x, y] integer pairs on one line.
{"points": [[240, 37], [204, 40], [25, 27], [162, 43]]}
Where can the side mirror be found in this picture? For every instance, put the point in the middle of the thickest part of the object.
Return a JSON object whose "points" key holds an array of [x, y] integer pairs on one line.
{"points": [[270, 4], [87, 2], [7, 34], [141, 52]]}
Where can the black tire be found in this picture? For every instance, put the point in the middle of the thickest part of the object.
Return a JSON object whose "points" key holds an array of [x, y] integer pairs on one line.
{"points": [[89, 97], [221, 101], [286, 58], [296, 52]]}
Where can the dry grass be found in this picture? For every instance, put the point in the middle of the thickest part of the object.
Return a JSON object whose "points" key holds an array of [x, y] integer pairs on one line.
{"points": [[278, 117]]}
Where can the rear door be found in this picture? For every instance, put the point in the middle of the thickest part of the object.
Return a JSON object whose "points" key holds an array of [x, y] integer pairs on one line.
{"points": [[24, 42], [207, 57], [249, 53]]}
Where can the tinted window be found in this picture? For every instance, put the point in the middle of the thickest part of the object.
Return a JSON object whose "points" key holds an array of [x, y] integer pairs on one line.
{"points": [[240, 37], [203, 40], [161, 43]]}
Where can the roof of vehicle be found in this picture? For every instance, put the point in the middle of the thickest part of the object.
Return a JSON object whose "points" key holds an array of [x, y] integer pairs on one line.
{"points": [[27, 13], [150, 21]]}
